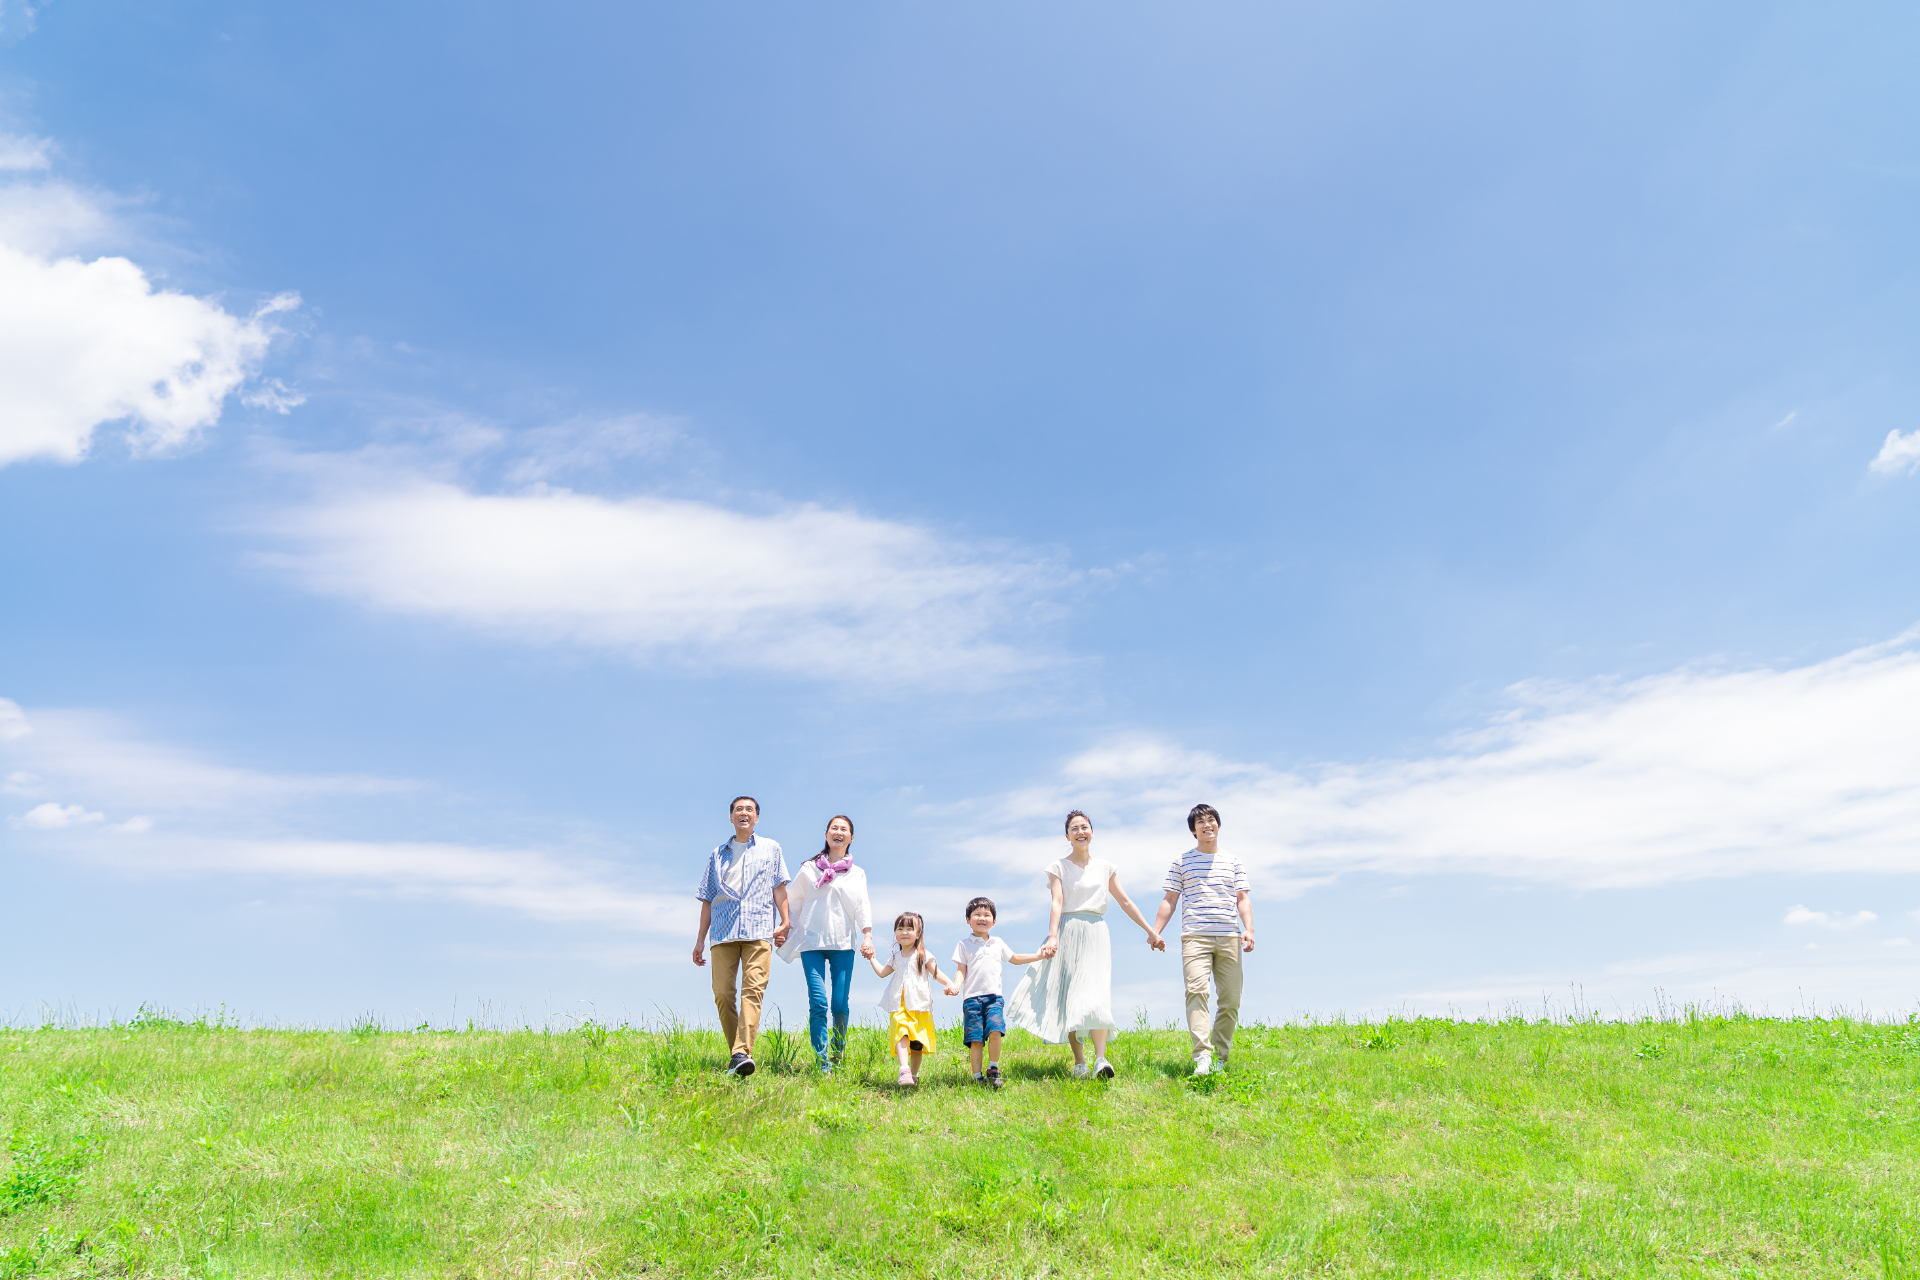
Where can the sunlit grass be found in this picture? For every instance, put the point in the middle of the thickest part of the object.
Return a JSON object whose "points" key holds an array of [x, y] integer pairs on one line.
{"points": [[1697, 1146]]}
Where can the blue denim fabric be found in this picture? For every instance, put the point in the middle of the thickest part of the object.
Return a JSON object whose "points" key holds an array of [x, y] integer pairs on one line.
{"points": [[817, 964], [982, 1016]]}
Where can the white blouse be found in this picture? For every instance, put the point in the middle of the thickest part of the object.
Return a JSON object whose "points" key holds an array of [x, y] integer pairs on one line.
{"points": [[829, 919], [909, 986], [1082, 889]]}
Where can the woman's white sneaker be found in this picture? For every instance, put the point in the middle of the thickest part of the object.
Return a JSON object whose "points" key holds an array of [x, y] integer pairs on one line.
{"points": [[1102, 1069], [1080, 1071], [1203, 1063]]}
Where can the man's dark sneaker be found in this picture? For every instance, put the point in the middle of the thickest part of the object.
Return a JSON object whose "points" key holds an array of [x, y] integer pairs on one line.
{"points": [[993, 1075], [740, 1065]]}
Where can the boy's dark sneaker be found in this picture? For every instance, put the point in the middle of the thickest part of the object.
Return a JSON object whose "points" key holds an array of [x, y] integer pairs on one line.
{"points": [[740, 1065], [993, 1076]]}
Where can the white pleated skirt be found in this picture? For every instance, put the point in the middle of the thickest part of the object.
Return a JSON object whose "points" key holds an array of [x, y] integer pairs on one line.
{"points": [[1074, 990]]}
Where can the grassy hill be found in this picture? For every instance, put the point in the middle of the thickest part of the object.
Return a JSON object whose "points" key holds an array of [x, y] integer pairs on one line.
{"points": [[1700, 1147]]}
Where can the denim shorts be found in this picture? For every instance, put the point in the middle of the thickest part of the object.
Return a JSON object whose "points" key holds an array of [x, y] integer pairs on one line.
{"points": [[984, 1015]]}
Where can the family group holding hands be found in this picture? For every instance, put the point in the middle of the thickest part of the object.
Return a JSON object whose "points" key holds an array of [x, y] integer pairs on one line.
{"points": [[750, 908]]}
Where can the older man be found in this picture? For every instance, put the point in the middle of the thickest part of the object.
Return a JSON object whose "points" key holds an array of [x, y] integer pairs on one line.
{"points": [[743, 906]]}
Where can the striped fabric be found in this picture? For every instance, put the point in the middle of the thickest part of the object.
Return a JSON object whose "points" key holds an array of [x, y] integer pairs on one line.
{"points": [[748, 916], [1209, 884]]}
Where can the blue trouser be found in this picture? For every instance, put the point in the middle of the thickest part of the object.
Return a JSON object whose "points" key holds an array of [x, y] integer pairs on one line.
{"points": [[817, 963]]}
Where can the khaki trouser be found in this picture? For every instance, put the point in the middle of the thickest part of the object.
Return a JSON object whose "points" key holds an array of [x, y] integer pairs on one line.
{"points": [[751, 962], [1215, 956]]}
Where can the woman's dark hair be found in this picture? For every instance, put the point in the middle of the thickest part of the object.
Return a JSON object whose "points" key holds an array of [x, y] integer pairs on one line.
{"points": [[838, 817], [1202, 811], [978, 903], [1076, 814]]}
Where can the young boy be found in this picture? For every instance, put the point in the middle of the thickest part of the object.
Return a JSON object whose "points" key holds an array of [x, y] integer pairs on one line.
{"points": [[979, 959]]}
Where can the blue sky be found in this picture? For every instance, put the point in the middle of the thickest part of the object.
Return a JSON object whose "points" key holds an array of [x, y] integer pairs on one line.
{"points": [[446, 454]]}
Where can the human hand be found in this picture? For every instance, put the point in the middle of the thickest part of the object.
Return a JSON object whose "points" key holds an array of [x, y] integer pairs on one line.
{"points": [[952, 990], [1047, 949], [780, 935], [1155, 941], [1246, 940], [700, 956], [866, 950]]}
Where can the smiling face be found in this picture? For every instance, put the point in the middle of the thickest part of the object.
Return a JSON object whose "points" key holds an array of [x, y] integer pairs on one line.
{"points": [[745, 815], [907, 936], [1206, 827], [839, 836], [981, 918], [1080, 832]]}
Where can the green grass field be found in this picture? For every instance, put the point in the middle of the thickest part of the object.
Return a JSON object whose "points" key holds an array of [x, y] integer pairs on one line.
{"points": [[1697, 1147]]}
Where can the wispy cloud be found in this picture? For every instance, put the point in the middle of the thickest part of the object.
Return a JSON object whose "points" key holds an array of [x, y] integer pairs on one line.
{"points": [[1899, 454], [18, 153], [1829, 919], [782, 587], [1692, 774], [180, 813]]}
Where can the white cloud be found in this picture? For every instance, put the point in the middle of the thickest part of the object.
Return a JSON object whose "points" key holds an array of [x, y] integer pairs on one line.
{"points": [[83, 344], [52, 817], [275, 396], [1829, 919], [18, 153], [53, 219], [1682, 776], [586, 445], [792, 589], [21, 783], [219, 819], [13, 721], [1900, 453]]}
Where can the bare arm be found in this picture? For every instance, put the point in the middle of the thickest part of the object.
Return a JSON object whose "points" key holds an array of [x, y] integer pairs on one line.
{"points": [[780, 904], [1029, 959], [946, 986], [1133, 913], [700, 938], [1243, 901], [879, 969], [1052, 944], [1165, 913]]}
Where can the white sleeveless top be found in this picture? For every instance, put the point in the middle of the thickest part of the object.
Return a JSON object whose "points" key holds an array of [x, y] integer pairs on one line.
{"points": [[1083, 889]]}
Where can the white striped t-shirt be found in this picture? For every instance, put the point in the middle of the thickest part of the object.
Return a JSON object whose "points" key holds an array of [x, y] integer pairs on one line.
{"points": [[1209, 885]]}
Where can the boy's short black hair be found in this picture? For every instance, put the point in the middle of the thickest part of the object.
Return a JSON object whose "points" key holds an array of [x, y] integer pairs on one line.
{"points": [[1200, 811], [978, 903]]}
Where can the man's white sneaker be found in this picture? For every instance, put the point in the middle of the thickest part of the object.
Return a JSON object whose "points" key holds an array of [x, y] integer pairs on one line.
{"points": [[1203, 1064], [1080, 1071]]}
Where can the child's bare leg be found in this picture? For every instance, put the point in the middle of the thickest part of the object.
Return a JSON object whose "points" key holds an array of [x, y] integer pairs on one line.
{"points": [[978, 1047], [1079, 1051], [900, 1050], [915, 1068], [993, 1050]]}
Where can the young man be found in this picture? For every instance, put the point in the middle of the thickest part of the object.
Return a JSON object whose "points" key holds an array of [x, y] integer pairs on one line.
{"points": [[1215, 927], [743, 901]]}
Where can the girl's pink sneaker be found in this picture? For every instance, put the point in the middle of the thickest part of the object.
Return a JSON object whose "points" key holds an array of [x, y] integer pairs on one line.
{"points": [[906, 1077]]}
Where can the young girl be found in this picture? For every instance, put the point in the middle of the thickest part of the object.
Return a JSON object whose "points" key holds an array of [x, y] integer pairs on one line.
{"points": [[908, 999]]}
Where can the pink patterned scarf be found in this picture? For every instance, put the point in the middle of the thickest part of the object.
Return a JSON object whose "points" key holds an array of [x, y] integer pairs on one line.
{"points": [[828, 870]]}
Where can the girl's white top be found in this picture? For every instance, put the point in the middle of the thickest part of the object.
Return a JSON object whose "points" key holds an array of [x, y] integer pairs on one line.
{"points": [[906, 988], [1083, 888], [828, 919]]}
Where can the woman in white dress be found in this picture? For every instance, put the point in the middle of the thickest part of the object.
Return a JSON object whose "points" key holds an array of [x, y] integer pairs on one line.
{"points": [[1070, 990], [828, 901]]}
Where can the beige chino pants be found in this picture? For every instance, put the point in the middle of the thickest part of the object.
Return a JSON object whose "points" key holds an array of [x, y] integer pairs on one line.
{"points": [[1212, 957], [750, 963]]}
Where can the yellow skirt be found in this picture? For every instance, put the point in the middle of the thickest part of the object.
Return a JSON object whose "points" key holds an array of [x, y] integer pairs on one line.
{"points": [[914, 1024]]}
